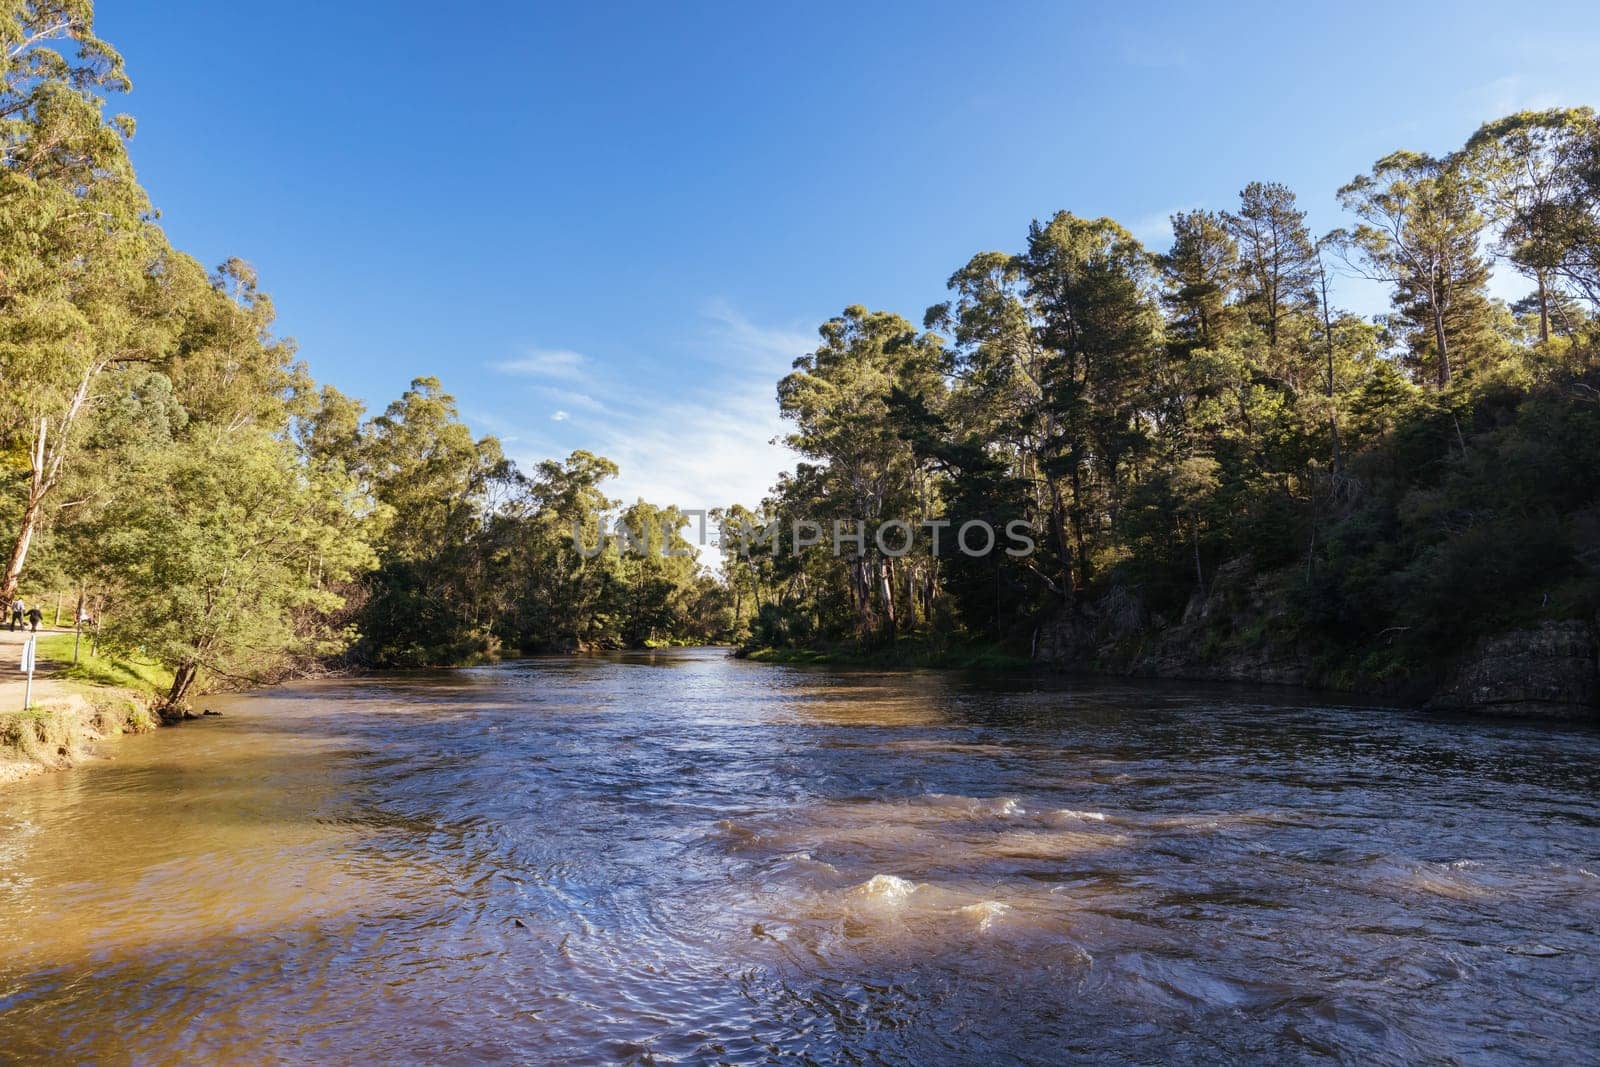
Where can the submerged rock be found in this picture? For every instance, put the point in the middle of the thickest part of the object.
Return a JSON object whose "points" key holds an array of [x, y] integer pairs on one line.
{"points": [[1551, 669]]}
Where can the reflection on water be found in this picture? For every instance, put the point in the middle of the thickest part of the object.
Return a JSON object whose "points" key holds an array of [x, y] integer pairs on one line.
{"points": [[685, 858]]}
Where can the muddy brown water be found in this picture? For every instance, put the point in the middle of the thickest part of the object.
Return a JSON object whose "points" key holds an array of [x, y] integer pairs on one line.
{"points": [[686, 858]]}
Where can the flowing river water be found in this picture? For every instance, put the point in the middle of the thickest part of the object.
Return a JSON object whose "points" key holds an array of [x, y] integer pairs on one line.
{"points": [[688, 858]]}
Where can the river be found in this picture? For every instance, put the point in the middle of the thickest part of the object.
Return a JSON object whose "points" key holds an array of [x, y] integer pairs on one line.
{"points": [[688, 858]]}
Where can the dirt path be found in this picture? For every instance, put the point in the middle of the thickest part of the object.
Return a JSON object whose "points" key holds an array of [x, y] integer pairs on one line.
{"points": [[13, 682], [13, 686]]}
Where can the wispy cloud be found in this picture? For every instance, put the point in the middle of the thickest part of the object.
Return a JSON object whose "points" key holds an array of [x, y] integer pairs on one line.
{"points": [[737, 338], [1154, 230], [714, 440], [553, 363], [706, 451], [574, 399], [1508, 94]]}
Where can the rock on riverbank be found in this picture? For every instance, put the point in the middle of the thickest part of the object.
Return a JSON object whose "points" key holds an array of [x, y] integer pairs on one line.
{"points": [[1549, 670], [1234, 633]]}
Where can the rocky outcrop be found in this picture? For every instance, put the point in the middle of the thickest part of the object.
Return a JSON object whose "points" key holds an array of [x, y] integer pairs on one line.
{"points": [[1550, 670], [1236, 629], [1228, 633], [1070, 640], [1175, 655]]}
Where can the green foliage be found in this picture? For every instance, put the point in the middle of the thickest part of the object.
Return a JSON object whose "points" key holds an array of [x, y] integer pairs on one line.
{"points": [[222, 568], [1206, 445], [107, 668], [477, 557], [1198, 439]]}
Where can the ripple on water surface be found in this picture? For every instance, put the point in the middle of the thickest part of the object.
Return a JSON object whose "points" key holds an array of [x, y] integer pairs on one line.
{"points": [[680, 857]]}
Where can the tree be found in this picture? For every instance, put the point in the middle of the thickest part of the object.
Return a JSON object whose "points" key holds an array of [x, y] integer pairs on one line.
{"points": [[81, 288], [1420, 232], [998, 420], [1093, 287], [429, 600], [1201, 275], [1528, 170], [838, 398], [217, 566], [563, 568], [748, 541], [51, 68], [1278, 262], [1575, 223]]}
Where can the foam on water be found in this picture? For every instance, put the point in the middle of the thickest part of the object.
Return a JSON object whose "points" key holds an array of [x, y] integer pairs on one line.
{"points": [[884, 889], [1081, 816], [681, 857], [985, 912]]}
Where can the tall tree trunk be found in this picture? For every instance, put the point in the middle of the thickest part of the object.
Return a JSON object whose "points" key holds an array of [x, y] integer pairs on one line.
{"points": [[46, 470], [182, 680], [861, 593], [885, 570], [1058, 530], [1199, 571], [1544, 306], [1327, 333], [1439, 342], [31, 511], [1077, 528]]}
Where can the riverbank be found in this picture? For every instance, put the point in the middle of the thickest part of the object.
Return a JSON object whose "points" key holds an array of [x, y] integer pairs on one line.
{"points": [[1546, 669], [75, 706], [1550, 670], [908, 653]]}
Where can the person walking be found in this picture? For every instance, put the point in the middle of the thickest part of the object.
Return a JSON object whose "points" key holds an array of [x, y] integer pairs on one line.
{"points": [[17, 609], [35, 617]]}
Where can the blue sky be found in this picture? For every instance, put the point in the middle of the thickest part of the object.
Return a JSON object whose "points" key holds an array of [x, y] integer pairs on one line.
{"points": [[615, 227]]}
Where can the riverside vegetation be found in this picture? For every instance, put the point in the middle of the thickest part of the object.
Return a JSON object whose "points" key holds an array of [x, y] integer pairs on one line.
{"points": [[1222, 464], [1232, 477]]}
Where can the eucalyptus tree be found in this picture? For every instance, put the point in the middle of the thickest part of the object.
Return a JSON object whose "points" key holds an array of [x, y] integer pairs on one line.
{"points": [[562, 569], [749, 542], [230, 570], [838, 398], [52, 69], [229, 368], [1529, 169], [997, 419], [1577, 222], [656, 569], [1420, 232], [75, 302], [81, 266], [421, 462], [1093, 287]]}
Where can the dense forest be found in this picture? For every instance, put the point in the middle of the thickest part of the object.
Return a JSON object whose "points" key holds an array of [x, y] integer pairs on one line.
{"points": [[170, 460], [1215, 456], [1221, 462]]}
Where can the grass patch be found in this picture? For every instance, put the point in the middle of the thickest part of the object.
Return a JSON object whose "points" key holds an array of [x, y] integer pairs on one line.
{"points": [[59, 736], [55, 737], [122, 671]]}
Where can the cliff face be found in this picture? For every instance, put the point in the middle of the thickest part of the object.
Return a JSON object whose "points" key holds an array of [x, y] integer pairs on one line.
{"points": [[1230, 633], [1236, 632], [1550, 670]]}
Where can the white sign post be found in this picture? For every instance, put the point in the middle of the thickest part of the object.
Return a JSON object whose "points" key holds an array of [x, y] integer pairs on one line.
{"points": [[27, 665]]}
